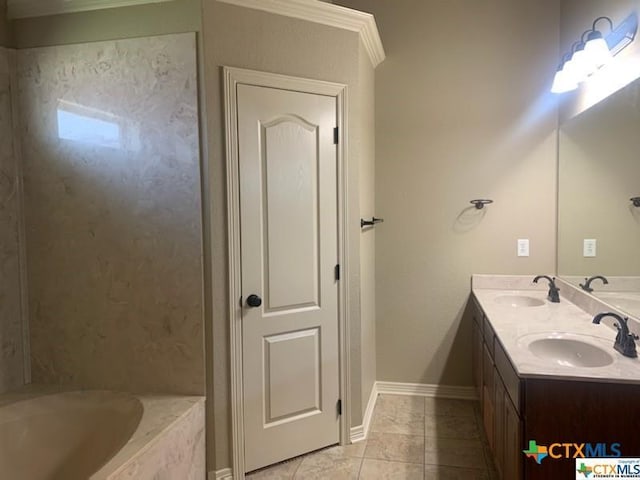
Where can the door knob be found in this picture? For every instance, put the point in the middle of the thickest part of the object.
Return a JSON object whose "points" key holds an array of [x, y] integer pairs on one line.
{"points": [[254, 300]]}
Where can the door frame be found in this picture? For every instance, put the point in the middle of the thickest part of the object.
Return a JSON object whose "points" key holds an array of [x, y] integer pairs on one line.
{"points": [[232, 78]]}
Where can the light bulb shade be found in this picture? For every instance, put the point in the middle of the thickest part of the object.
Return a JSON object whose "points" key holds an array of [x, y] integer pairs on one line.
{"points": [[597, 50], [580, 65], [562, 82]]}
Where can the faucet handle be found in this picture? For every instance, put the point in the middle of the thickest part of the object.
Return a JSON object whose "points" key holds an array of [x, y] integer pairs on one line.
{"points": [[622, 320]]}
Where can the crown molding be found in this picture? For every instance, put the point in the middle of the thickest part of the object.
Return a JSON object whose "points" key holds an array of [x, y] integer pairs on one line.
{"points": [[326, 14], [39, 8]]}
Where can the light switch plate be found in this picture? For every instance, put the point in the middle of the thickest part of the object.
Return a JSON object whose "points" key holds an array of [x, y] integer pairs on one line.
{"points": [[523, 247], [589, 247]]}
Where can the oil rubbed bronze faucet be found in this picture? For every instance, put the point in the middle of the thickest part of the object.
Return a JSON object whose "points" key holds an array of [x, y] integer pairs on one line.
{"points": [[587, 282], [625, 340], [554, 292]]}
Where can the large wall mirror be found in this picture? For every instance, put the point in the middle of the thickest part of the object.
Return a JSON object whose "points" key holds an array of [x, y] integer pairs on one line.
{"points": [[599, 173]]}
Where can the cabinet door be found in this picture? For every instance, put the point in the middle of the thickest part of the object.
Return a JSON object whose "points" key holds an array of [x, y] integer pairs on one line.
{"points": [[512, 463], [488, 407], [499, 430], [477, 359]]}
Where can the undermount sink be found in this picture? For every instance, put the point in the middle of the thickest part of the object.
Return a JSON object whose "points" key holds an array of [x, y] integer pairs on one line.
{"points": [[569, 351], [519, 301]]}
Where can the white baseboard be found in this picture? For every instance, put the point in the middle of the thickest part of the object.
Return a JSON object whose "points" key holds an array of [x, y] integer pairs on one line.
{"points": [[361, 432], [223, 474], [425, 390], [357, 434]]}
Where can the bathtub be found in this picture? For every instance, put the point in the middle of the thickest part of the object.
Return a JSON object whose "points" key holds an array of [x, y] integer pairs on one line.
{"points": [[100, 435]]}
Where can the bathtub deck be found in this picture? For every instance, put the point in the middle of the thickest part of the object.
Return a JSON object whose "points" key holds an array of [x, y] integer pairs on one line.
{"points": [[168, 443]]}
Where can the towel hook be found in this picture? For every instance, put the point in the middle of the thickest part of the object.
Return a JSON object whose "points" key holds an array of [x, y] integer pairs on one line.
{"points": [[370, 223]]}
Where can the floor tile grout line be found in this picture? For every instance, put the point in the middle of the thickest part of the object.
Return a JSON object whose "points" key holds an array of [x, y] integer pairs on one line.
{"points": [[360, 468], [295, 471]]}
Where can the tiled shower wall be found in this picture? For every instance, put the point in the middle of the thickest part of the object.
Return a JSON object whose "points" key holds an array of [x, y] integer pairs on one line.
{"points": [[11, 329], [113, 214]]}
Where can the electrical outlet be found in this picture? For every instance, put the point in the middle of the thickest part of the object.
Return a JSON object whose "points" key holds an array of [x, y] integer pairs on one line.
{"points": [[523, 247], [589, 247]]}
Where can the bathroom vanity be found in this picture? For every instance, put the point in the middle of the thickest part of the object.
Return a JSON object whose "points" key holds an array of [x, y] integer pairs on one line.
{"points": [[545, 373]]}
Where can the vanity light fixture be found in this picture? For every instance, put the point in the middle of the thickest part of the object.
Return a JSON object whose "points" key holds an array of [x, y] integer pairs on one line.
{"points": [[564, 80], [592, 52]]}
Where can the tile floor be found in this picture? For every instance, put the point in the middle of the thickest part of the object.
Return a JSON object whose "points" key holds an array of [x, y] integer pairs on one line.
{"points": [[409, 438]]}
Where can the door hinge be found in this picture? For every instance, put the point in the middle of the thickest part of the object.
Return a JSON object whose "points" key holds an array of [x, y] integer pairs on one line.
{"points": [[339, 407], [335, 136], [336, 272]]}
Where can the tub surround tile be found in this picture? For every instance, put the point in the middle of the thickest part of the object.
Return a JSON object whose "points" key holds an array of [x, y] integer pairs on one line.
{"points": [[170, 442], [11, 327], [113, 213]]}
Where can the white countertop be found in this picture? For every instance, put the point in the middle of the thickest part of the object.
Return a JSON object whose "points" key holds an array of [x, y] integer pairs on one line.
{"points": [[515, 325]]}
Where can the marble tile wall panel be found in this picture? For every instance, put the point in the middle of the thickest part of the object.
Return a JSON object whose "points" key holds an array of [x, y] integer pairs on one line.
{"points": [[110, 144], [11, 332], [179, 453]]}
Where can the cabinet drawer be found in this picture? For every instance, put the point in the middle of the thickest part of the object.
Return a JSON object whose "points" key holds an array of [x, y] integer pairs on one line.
{"points": [[489, 336], [508, 374], [478, 315], [477, 359]]}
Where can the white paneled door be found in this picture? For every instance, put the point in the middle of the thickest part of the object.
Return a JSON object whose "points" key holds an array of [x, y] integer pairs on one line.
{"points": [[289, 252]]}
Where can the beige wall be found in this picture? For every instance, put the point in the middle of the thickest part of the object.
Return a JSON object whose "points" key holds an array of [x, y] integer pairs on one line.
{"points": [[578, 16], [257, 40], [462, 111], [108, 24], [113, 227]]}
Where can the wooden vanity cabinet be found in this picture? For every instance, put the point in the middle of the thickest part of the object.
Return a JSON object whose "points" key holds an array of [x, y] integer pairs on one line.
{"points": [[500, 388], [512, 460], [548, 410]]}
